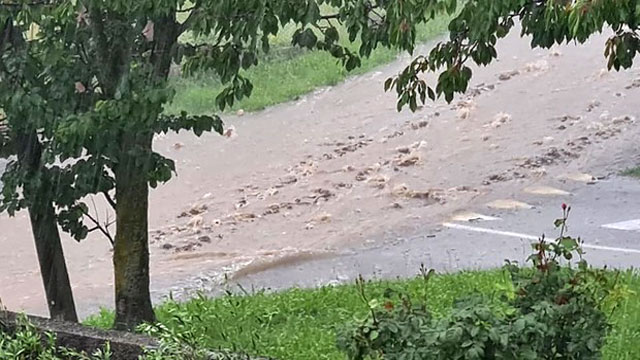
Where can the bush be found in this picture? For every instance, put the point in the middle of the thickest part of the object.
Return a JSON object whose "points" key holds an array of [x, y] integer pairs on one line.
{"points": [[26, 342], [183, 344], [555, 310]]}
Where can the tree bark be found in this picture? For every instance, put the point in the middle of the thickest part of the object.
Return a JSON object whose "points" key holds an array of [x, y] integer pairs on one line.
{"points": [[131, 250], [52, 264], [53, 269]]}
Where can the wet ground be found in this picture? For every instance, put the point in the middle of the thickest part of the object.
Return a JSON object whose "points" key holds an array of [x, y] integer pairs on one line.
{"points": [[481, 244], [339, 183]]}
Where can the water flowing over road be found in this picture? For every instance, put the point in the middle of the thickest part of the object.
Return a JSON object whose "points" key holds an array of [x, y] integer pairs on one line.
{"points": [[340, 177]]}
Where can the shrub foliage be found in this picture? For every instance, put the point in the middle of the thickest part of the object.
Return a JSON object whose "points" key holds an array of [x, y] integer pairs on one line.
{"points": [[555, 310]]}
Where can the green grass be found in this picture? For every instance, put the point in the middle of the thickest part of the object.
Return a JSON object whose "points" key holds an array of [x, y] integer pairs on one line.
{"points": [[633, 172], [302, 324], [284, 74], [623, 341]]}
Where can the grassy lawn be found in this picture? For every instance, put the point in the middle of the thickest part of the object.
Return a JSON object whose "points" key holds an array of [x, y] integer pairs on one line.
{"points": [[284, 74], [302, 324]]}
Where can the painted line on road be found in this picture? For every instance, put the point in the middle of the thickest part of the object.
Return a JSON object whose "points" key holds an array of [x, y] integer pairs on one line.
{"points": [[630, 225], [532, 237]]}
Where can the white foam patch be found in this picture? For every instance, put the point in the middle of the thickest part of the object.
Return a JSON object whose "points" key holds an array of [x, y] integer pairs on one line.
{"points": [[580, 177], [508, 204], [630, 225], [546, 190]]}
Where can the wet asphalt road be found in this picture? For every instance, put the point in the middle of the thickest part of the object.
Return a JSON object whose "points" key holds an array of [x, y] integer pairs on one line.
{"points": [[484, 244]]}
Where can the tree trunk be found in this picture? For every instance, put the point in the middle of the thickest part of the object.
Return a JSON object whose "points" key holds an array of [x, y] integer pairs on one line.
{"points": [[52, 265], [45, 232], [131, 250]]}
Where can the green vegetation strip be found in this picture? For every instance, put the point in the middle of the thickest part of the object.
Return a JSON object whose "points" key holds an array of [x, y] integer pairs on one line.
{"points": [[633, 172], [302, 324], [284, 74]]}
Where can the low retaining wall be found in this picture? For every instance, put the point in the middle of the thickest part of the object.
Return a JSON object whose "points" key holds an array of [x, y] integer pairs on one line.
{"points": [[124, 345]]}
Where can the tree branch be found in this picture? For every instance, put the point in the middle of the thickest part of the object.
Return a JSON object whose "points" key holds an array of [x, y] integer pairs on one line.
{"points": [[102, 45], [103, 228], [330, 17], [110, 200]]}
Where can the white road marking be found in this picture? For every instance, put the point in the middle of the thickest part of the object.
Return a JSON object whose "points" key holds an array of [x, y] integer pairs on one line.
{"points": [[532, 237], [631, 225]]}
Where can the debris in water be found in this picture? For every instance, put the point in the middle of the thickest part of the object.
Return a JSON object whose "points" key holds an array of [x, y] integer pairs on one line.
{"points": [[592, 105], [471, 216], [321, 194], [555, 53], [195, 222], [595, 125], [242, 203], [463, 113], [407, 160], [538, 66], [322, 218], [287, 180], [196, 209], [634, 84], [623, 119], [244, 217], [419, 125], [379, 181], [402, 190], [500, 119], [230, 132], [539, 172], [508, 75]]}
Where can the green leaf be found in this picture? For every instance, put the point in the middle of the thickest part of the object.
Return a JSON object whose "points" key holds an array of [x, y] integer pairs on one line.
{"points": [[432, 94], [306, 38], [331, 35], [569, 243], [387, 84]]}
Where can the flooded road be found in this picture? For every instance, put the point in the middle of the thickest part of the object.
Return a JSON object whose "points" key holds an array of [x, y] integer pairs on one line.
{"points": [[341, 169]]}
